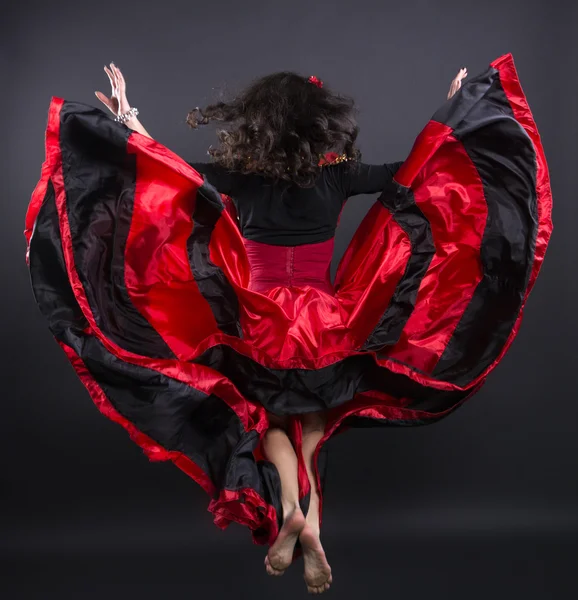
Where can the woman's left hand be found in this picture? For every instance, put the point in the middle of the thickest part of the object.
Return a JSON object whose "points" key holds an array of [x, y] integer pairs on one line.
{"points": [[457, 82], [117, 103]]}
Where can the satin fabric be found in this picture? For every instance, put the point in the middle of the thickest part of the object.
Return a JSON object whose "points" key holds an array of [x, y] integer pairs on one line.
{"points": [[307, 265], [184, 334]]}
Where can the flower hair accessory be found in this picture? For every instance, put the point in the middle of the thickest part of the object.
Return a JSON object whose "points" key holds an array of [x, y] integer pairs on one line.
{"points": [[315, 81]]}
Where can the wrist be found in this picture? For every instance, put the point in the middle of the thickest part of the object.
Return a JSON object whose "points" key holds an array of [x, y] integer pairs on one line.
{"points": [[127, 115]]}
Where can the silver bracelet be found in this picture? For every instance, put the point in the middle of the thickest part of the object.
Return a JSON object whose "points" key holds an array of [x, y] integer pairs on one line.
{"points": [[133, 112]]}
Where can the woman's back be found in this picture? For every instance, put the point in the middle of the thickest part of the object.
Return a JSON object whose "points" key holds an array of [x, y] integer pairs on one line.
{"points": [[285, 214], [288, 230]]}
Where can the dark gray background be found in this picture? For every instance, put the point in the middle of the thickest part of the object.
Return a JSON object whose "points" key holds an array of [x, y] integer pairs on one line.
{"points": [[484, 502]]}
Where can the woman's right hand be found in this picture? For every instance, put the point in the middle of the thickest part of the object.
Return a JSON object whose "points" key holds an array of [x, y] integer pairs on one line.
{"points": [[117, 103], [457, 82]]}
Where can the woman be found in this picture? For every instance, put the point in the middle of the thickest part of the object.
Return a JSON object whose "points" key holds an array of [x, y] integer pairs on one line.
{"points": [[281, 102], [194, 299], [295, 126]]}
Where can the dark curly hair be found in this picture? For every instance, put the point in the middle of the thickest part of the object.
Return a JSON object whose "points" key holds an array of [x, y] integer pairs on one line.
{"points": [[281, 126]]}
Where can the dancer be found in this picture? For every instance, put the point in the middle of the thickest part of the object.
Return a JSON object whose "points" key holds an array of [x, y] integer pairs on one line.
{"points": [[194, 299], [288, 146]]}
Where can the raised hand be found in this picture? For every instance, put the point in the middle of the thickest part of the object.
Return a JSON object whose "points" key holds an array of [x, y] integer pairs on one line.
{"points": [[457, 82], [117, 103]]}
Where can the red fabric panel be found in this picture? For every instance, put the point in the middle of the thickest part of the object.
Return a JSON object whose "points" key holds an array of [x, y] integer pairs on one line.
{"points": [[432, 136], [247, 508], [158, 276], [448, 190], [370, 269], [51, 153]]}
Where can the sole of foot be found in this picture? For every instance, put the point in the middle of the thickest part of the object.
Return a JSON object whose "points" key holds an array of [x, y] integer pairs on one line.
{"points": [[280, 554], [317, 575]]}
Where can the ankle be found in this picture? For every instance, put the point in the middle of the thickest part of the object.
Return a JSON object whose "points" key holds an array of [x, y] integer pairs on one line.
{"points": [[289, 509], [312, 527], [312, 522]]}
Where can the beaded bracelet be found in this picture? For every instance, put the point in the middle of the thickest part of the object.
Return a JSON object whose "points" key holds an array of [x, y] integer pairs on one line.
{"points": [[133, 112]]}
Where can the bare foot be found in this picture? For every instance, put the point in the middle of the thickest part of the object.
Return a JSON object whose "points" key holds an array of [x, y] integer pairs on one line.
{"points": [[317, 570], [280, 554]]}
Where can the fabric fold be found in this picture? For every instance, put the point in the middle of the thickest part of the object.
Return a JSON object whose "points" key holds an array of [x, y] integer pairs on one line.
{"points": [[139, 268]]}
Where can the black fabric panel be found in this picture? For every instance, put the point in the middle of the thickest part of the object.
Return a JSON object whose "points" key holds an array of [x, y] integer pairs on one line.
{"points": [[175, 415], [48, 275], [242, 472], [368, 422], [271, 482], [505, 159], [295, 391], [454, 110], [399, 200], [210, 279], [99, 180]]}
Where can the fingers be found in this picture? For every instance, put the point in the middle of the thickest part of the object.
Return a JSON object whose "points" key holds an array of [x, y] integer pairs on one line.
{"points": [[115, 76], [110, 74], [462, 73], [112, 79], [457, 82], [117, 71], [119, 77], [103, 99]]}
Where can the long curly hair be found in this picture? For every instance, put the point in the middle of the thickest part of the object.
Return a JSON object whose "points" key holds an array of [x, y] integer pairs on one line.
{"points": [[281, 126]]}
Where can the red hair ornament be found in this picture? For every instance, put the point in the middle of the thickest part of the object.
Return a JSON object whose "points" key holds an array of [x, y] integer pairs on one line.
{"points": [[316, 81]]}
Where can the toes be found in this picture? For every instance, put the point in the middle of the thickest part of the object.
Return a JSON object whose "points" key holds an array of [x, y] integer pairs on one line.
{"points": [[319, 589], [271, 569]]}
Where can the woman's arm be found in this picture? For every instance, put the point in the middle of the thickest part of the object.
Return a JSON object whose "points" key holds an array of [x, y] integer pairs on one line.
{"points": [[134, 123], [118, 103], [222, 179], [368, 179], [361, 178]]}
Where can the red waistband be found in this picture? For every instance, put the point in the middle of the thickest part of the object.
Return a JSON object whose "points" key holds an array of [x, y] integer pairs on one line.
{"points": [[290, 266]]}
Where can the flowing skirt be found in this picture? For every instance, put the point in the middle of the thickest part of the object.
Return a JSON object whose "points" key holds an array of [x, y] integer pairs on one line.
{"points": [[140, 269]]}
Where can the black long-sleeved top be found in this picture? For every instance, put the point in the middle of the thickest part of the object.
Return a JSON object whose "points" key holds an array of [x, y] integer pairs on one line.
{"points": [[285, 214]]}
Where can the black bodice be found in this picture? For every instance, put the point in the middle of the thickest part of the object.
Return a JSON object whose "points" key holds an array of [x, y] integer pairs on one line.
{"points": [[285, 214]]}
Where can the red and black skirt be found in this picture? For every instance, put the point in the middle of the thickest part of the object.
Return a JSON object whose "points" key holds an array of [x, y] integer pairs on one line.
{"points": [[140, 269]]}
